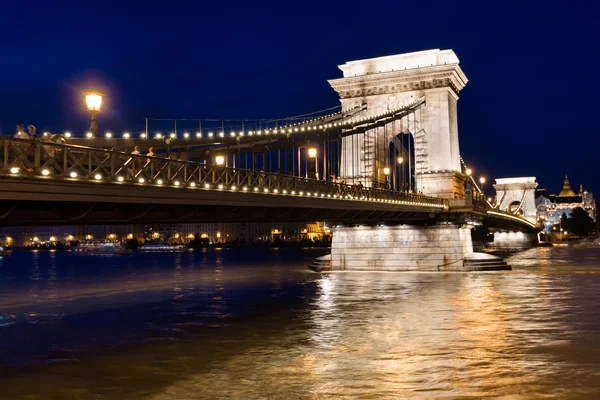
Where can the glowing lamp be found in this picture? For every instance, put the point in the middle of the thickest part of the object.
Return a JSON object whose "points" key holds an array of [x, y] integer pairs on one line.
{"points": [[400, 160], [312, 152], [386, 171], [93, 99], [220, 160], [482, 180]]}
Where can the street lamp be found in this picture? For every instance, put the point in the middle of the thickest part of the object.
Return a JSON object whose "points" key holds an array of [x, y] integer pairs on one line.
{"points": [[220, 160], [400, 160], [312, 152], [93, 99], [469, 171], [386, 171], [482, 180]]}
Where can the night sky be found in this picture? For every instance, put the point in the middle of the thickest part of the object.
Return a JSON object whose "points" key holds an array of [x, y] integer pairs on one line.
{"points": [[531, 106]]}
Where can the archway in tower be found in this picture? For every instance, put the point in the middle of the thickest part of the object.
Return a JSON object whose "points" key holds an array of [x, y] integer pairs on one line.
{"points": [[401, 159]]}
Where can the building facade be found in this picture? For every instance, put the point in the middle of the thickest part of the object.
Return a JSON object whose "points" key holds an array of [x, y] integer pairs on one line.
{"points": [[550, 207]]}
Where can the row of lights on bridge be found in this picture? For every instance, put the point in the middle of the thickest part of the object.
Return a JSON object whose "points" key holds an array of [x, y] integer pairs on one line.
{"points": [[176, 183], [94, 104]]}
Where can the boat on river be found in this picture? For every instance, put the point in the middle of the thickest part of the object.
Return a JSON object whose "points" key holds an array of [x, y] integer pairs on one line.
{"points": [[160, 246], [99, 247]]}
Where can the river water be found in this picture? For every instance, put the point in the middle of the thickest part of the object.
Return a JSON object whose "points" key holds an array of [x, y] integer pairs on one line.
{"points": [[256, 324]]}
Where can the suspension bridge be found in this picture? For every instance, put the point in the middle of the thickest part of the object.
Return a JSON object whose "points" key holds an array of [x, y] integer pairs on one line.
{"points": [[384, 170]]}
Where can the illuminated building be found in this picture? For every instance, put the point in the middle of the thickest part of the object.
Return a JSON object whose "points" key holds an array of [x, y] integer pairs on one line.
{"points": [[550, 207]]}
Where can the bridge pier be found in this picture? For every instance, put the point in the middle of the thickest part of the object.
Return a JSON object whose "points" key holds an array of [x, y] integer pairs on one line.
{"points": [[515, 240], [400, 247]]}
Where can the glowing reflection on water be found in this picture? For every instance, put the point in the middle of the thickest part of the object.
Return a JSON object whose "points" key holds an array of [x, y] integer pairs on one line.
{"points": [[226, 329]]}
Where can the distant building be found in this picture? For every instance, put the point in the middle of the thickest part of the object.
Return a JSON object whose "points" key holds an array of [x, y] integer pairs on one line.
{"points": [[550, 207]]}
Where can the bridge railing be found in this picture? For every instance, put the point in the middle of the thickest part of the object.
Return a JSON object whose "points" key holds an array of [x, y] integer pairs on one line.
{"points": [[34, 158]]}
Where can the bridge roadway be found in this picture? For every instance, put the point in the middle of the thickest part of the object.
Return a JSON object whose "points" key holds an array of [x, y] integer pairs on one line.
{"points": [[45, 183]]}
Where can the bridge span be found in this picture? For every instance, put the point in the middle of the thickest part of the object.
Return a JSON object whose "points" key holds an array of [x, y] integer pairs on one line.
{"points": [[385, 172]]}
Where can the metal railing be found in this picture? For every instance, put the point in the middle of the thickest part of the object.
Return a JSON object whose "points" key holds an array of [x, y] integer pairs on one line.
{"points": [[34, 158]]}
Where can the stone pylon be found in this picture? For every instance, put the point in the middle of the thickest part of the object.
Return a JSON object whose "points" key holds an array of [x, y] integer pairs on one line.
{"points": [[388, 82]]}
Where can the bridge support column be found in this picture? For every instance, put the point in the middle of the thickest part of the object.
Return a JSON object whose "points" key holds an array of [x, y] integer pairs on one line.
{"points": [[515, 240], [400, 248]]}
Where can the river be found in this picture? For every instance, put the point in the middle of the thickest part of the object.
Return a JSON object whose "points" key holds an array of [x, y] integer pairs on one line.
{"points": [[254, 323]]}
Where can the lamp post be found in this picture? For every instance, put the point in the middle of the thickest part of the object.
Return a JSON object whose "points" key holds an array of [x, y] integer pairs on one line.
{"points": [[482, 181], [93, 99], [386, 172], [312, 163], [399, 175], [220, 160]]}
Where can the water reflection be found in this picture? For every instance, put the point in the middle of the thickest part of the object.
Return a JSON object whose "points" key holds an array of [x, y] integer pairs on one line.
{"points": [[229, 324]]}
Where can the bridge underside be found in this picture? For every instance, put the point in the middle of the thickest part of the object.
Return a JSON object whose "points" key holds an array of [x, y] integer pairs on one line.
{"points": [[56, 202], [45, 202], [36, 213]]}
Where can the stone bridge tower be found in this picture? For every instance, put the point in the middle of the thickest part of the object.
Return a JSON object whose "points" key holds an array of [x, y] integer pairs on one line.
{"points": [[517, 196], [387, 82]]}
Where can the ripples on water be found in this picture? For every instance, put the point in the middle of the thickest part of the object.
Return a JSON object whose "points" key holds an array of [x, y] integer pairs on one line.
{"points": [[255, 324]]}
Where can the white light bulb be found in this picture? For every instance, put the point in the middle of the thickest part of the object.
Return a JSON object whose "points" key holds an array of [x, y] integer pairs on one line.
{"points": [[159, 182], [176, 183], [45, 172], [14, 170], [141, 180], [120, 179], [206, 185], [98, 177], [193, 184], [73, 174]]}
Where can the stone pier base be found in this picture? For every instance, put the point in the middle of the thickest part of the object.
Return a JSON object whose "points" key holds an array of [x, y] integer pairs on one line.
{"points": [[514, 240], [400, 248]]}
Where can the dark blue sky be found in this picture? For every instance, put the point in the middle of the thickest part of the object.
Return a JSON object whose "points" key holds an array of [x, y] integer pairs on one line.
{"points": [[530, 108]]}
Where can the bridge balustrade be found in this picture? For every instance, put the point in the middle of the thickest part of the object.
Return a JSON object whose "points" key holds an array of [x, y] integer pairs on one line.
{"points": [[34, 158]]}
